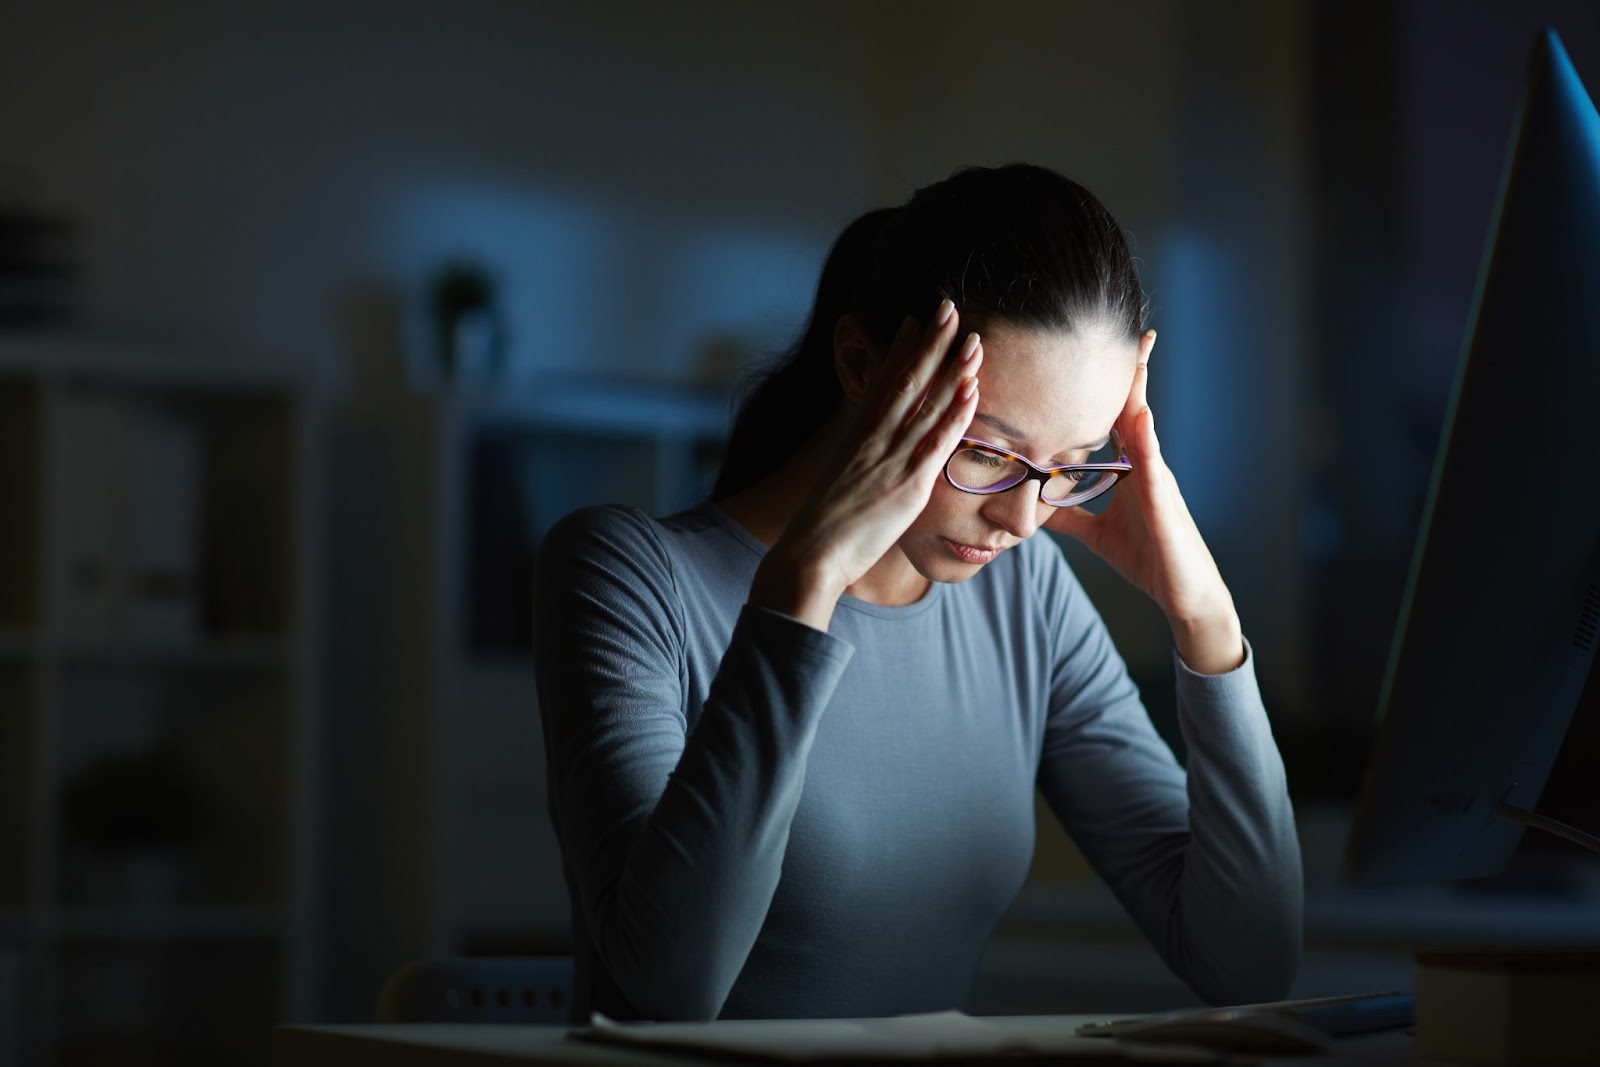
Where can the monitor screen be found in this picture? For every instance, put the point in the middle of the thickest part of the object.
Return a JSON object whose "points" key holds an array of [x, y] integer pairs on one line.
{"points": [[1498, 624]]}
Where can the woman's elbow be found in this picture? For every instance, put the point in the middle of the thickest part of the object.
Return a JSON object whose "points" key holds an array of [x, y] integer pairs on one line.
{"points": [[663, 977], [1256, 969]]}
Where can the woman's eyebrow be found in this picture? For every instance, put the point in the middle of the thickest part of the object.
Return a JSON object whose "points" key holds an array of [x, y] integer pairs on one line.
{"points": [[1020, 439]]}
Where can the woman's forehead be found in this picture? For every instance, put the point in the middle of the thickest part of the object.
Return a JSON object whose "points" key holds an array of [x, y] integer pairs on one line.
{"points": [[1047, 392]]}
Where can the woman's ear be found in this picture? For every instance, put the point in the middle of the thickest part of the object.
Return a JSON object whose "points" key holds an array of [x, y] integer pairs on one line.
{"points": [[855, 360]]}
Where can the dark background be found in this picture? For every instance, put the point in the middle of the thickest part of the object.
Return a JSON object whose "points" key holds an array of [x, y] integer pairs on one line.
{"points": [[648, 190]]}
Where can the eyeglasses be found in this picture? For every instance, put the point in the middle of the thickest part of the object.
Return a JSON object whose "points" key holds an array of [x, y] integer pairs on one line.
{"points": [[980, 467]]}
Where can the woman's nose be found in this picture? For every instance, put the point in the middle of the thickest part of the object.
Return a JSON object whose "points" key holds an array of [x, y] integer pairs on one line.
{"points": [[1018, 510]]}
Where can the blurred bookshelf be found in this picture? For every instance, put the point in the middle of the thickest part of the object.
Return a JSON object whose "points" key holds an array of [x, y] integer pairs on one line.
{"points": [[437, 505], [157, 741], [195, 924]]}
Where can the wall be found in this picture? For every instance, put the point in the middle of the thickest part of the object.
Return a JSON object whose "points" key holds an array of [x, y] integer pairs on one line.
{"points": [[648, 183], [238, 172]]}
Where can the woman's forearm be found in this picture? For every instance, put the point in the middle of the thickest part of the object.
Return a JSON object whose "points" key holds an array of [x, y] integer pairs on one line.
{"points": [[1241, 897]]}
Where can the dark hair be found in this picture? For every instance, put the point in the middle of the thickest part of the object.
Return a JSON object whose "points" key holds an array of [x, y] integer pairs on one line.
{"points": [[1018, 244]]}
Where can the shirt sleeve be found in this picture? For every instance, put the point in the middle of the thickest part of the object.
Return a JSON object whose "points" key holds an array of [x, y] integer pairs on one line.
{"points": [[673, 840], [1207, 863]]}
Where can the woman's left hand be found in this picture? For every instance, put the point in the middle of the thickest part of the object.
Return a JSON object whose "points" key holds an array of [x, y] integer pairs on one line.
{"points": [[1149, 537]]}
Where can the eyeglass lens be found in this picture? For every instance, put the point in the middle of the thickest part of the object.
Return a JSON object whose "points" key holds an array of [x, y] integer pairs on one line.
{"points": [[980, 470]]}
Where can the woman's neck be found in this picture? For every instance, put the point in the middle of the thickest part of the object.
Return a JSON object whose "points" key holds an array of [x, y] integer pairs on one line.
{"points": [[768, 505]]}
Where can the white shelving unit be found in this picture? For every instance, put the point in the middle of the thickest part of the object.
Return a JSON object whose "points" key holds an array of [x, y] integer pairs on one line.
{"points": [[157, 742], [435, 504]]}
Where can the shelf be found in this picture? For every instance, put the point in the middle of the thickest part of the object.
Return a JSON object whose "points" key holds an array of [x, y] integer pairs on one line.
{"points": [[71, 354], [178, 924], [19, 645], [625, 409], [157, 601], [223, 653]]}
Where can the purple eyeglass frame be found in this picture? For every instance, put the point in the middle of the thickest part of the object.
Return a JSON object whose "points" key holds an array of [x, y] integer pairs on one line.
{"points": [[1043, 474]]}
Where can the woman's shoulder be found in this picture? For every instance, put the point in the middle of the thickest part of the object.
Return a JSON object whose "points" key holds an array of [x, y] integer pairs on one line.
{"points": [[683, 569], [601, 530], [625, 540], [605, 566]]}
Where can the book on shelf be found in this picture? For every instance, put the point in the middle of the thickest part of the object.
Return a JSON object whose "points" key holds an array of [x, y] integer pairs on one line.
{"points": [[91, 439], [164, 478]]}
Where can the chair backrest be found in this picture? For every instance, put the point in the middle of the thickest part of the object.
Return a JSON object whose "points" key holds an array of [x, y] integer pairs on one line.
{"points": [[479, 989]]}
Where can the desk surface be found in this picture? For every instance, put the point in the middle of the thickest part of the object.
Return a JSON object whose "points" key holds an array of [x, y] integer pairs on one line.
{"points": [[475, 1045]]}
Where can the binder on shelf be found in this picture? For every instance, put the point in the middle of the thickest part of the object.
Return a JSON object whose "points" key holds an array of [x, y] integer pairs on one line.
{"points": [[165, 471], [127, 520], [90, 433]]}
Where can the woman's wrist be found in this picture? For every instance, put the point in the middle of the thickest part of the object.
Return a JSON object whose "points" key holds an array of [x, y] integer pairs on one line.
{"points": [[795, 585], [1212, 645]]}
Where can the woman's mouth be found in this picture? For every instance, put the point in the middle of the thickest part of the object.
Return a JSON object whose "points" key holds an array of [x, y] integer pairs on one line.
{"points": [[971, 553]]}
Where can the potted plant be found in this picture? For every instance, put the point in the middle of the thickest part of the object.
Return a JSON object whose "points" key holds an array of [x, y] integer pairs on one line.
{"points": [[132, 819], [467, 323]]}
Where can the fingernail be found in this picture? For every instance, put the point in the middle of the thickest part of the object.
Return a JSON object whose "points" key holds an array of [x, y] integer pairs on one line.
{"points": [[969, 387], [969, 349], [946, 308], [1151, 333]]}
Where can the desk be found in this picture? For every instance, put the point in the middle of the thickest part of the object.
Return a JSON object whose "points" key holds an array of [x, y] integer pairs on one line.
{"points": [[1075, 945], [475, 1045]]}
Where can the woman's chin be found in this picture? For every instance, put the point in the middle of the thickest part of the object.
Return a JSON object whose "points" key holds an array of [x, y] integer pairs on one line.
{"points": [[945, 568]]}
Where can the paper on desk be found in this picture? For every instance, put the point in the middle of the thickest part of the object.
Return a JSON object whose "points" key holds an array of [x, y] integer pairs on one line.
{"points": [[933, 1035]]}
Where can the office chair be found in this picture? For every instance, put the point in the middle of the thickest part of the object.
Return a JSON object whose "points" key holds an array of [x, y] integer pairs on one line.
{"points": [[479, 989]]}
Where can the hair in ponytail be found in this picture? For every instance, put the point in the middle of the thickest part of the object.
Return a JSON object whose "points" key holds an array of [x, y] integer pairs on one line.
{"points": [[784, 406], [1018, 244]]}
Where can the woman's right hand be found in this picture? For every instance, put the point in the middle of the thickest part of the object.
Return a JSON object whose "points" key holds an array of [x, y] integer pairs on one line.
{"points": [[909, 420]]}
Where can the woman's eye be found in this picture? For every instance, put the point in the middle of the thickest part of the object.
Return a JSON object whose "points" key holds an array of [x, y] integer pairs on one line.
{"points": [[988, 459]]}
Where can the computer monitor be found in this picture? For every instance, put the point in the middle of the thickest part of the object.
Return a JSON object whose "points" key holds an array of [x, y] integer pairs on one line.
{"points": [[1498, 625]]}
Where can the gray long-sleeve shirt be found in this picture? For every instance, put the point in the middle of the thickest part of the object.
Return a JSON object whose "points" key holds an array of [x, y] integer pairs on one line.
{"points": [[758, 819]]}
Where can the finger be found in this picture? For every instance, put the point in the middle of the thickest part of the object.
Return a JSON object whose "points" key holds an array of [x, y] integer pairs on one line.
{"points": [[1150, 444], [1137, 394], [882, 370], [1147, 344], [903, 339], [945, 386], [1149, 468], [936, 445], [1127, 424], [913, 372]]}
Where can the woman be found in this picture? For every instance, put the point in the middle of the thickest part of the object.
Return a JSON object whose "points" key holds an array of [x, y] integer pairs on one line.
{"points": [[793, 734]]}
